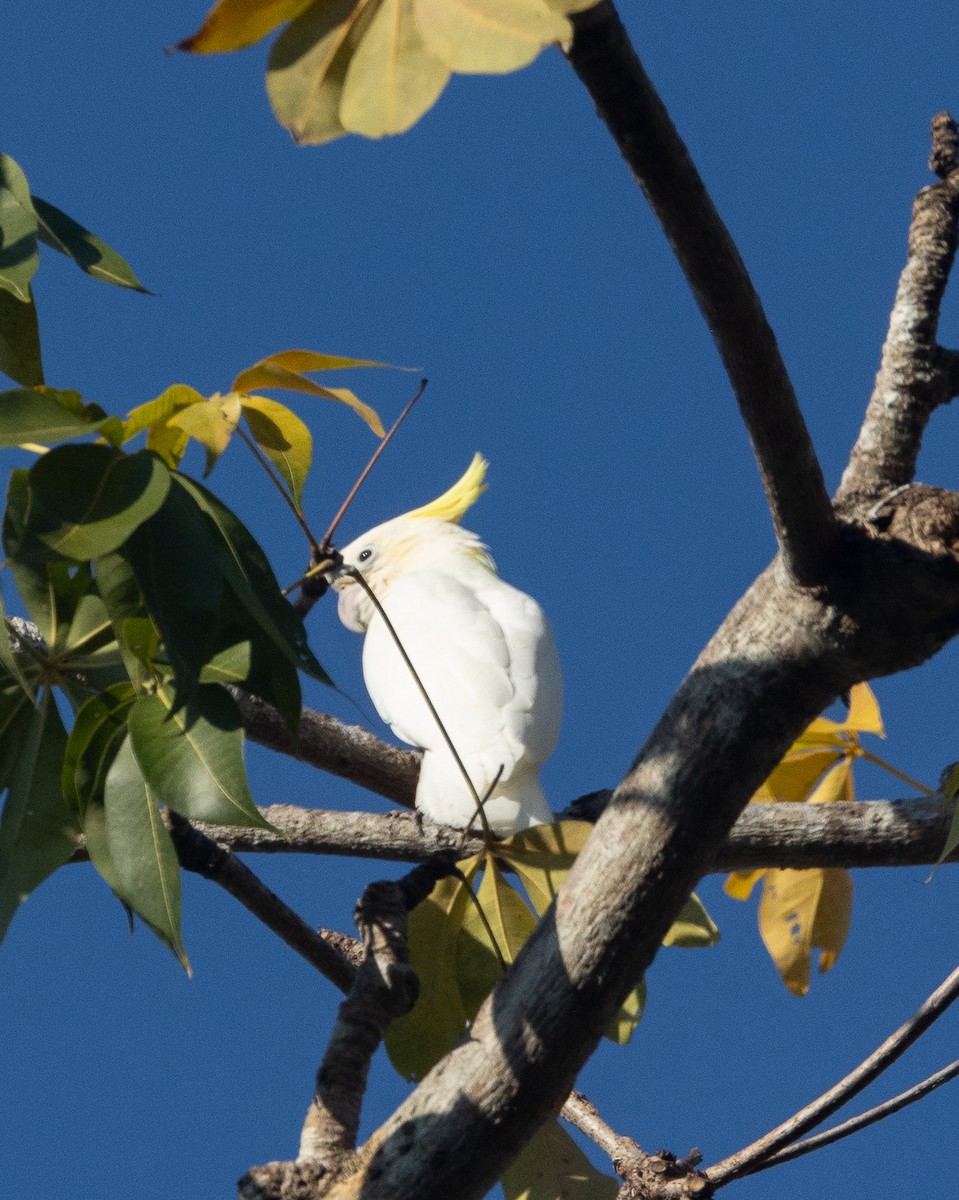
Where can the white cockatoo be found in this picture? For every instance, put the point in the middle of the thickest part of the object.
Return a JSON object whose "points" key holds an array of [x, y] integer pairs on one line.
{"points": [[483, 650]]}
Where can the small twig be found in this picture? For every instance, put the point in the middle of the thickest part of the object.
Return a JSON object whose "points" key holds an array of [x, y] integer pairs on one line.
{"points": [[313, 584], [327, 537], [607, 65], [870, 1117], [374, 599], [623, 1152], [752, 1157], [201, 854]]}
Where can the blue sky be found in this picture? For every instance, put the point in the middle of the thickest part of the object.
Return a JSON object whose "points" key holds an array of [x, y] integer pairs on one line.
{"points": [[502, 248]]}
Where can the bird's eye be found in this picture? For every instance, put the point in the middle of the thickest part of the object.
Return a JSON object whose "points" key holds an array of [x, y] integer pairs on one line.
{"points": [[364, 556]]}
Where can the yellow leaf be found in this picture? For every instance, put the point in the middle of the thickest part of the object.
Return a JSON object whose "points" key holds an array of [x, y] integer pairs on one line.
{"points": [[233, 24], [283, 438], [308, 65], [693, 928], [835, 785], [307, 360], [552, 1167], [511, 923], [797, 774], [159, 411], [864, 715], [274, 372], [740, 884], [491, 36], [800, 911], [622, 1027], [542, 857], [212, 423], [833, 916], [570, 6], [393, 78], [417, 1041]]}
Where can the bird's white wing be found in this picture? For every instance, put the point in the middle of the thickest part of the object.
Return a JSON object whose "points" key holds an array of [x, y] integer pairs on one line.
{"points": [[459, 652]]}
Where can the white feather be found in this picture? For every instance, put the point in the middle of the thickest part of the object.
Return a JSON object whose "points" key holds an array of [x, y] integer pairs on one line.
{"points": [[485, 654]]}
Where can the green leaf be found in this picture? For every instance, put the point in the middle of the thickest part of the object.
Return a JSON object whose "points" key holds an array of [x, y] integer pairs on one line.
{"points": [[37, 831], [90, 254], [87, 500], [284, 439], [16, 712], [48, 416], [8, 658], [18, 231], [254, 663], [693, 928], [192, 757], [246, 569], [552, 1167], [418, 1040], [175, 557], [20, 340], [142, 857], [124, 602], [97, 732]]}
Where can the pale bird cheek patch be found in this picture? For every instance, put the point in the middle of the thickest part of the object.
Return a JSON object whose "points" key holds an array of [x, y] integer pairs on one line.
{"points": [[348, 608]]}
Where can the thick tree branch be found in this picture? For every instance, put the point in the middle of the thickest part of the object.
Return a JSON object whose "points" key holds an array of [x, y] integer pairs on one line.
{"points": [[754, 1157], [868, 833], [606, 63], [915, 375], [776, 661]]}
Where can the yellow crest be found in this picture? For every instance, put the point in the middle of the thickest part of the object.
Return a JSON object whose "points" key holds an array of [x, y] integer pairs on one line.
{"points": [[462, 495]]}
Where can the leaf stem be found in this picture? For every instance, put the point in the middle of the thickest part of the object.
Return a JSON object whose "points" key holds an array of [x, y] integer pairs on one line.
{"points": [[881, 762], [278, 484]]}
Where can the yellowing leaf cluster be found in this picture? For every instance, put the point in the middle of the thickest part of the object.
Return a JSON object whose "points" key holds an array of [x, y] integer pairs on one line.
{"points": [[374, 67], [181, 413], [461, 944], [802, 911]]}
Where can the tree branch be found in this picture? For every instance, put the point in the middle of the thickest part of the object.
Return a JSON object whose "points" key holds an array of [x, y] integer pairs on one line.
{"points": [[864, 1120], [868, 833], [607, 65], [345, 750], [201, 854], [915, 375], [754, 1157]]}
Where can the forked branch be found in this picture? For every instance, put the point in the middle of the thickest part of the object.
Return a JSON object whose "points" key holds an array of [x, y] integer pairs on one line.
{"points": [[916, 375], [762, 1152]]}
